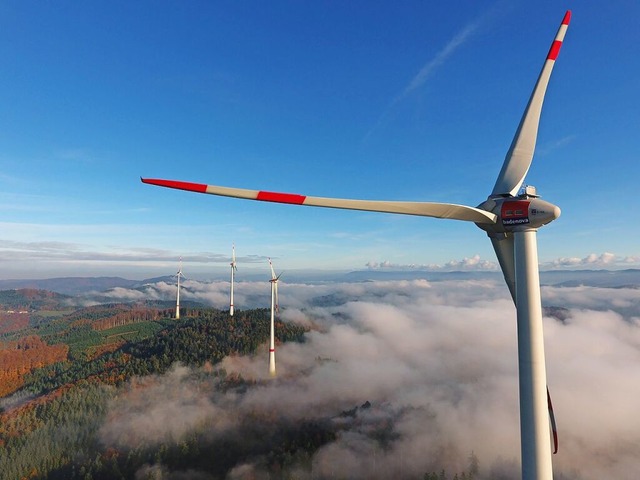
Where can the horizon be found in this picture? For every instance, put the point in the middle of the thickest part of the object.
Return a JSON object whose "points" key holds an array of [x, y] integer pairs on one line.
{"points": [[111, 285], [310, 275]]}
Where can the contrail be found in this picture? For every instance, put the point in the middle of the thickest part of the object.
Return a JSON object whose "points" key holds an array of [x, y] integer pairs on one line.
{"points": [[432, 65], [425, 72]]}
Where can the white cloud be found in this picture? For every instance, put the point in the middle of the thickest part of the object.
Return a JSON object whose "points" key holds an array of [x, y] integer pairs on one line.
{"points": [[438, 362], [603, 260], [474, 263]]}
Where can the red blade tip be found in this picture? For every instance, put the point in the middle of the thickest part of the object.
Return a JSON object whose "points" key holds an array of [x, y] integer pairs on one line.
{"points": [[193, 187]]}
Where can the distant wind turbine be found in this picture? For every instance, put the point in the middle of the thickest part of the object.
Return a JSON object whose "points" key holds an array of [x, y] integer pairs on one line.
{"points": [[178, 275], [511, 216], [274, 310], [233, 269]]}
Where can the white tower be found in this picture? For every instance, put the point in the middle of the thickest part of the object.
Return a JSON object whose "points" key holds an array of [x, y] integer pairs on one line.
{"points": [[178, 275], [233, 269], [274, 309]]}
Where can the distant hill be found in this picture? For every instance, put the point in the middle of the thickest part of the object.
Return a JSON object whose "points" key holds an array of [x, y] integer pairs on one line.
{"points": [[31, 299], [70, 285], [388, 275], [592, 278], [566, 278]]}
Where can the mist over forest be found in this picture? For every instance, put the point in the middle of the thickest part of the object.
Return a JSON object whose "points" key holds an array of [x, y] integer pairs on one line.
{"points": [[444, 354], [410, 376]]}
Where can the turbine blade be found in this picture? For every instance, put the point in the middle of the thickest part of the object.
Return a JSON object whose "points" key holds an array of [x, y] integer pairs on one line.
{"points": [[424, 209], [552, 418], [273, 274], [504, 249], [520, 154], [276, 296]]}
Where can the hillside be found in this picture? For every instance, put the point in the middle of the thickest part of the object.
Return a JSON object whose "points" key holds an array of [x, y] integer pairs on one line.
{"points": [[63, 375], [87, 376], [31, 299], [70, 285], [69, 379]]}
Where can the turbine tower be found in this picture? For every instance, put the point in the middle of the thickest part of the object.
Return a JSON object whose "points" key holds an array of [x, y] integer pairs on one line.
{"points": [[178, 275], [274, 310], [511, 216], [233, 269]]}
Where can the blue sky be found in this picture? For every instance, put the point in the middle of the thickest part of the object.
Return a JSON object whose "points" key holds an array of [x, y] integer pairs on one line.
{"points": [[374, 100]]}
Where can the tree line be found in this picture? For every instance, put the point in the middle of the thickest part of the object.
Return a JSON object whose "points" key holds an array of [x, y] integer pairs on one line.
{"points": [[17, 358]]}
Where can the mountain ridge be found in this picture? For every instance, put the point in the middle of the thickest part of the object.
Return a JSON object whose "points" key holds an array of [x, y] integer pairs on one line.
{"points": [[566, 278]]}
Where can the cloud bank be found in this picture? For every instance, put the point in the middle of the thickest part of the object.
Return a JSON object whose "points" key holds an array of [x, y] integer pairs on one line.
{"points": [[474, 263], [593, 260], [47, 259], [438, 364]]}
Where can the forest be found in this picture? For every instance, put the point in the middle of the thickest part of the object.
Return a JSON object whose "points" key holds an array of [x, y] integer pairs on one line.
{"points": [[61, 370]]}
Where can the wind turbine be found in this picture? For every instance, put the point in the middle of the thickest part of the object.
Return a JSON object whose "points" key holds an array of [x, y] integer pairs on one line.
{"points": [[274, 309], [511, 216], [178, 275], [233, 269]]}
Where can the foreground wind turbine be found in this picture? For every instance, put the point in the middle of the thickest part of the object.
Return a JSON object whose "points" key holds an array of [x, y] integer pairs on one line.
{"points": [[178, 275], [233, 269], [274, 309], [511, 218]]}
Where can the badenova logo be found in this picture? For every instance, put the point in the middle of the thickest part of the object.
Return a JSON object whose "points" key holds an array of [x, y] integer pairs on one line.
{"points": [[515, 221], [515, 212]]}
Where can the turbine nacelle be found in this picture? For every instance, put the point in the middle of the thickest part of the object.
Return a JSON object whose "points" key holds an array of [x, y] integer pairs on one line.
{"points": [[514, 214]]}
